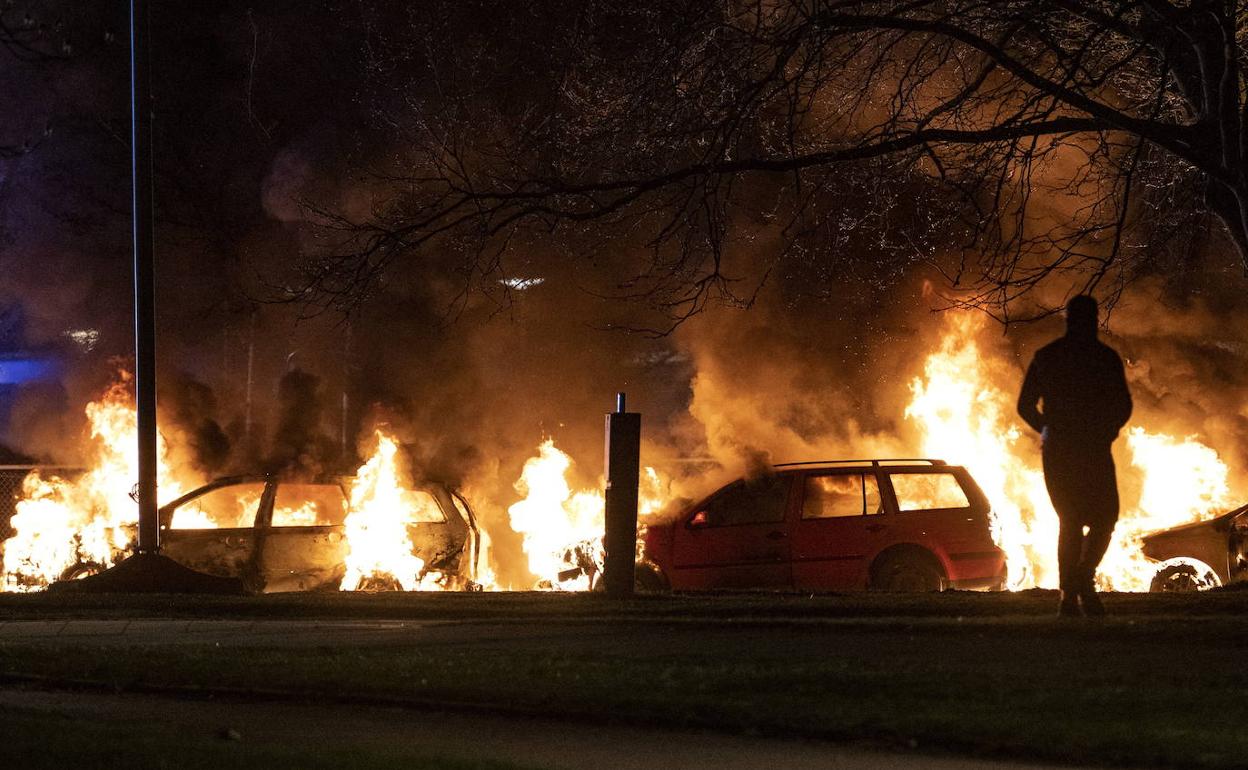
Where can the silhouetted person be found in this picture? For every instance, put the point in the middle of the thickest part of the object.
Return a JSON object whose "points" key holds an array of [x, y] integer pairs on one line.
{"points": [[1080, 383]]}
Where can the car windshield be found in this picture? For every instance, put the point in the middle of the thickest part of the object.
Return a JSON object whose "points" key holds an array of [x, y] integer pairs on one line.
{"points": [[309, 505], [227, 507]]}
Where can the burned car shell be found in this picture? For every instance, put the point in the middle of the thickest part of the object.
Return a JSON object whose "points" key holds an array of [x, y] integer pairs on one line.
{"points": [[1220, 544], [271, 557]]}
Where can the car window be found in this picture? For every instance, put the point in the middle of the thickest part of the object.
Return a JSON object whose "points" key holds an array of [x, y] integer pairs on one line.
{"points": [[222, 508], [928, 491], [754, 501], [309, 505], [841, 494], [424, 508]]}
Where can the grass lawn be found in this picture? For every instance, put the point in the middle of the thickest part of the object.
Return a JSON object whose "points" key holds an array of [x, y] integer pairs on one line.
{"points": [[1162, 682]]}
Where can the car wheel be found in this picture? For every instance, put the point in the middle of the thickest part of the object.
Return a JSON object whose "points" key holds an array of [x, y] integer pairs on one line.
{"points": [[908, 572], [1184, 577], [648, 579]]}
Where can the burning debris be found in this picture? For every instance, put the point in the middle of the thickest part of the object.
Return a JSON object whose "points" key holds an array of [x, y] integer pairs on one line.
{"points": [[562, 528]]}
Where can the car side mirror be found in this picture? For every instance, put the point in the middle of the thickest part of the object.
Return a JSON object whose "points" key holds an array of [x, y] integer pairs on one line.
{"points": [[698, 520]]}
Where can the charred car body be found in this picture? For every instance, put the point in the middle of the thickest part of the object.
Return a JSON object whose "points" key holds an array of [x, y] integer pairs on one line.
{"points": [[909, 525], [279, 535], [1204, 554]]}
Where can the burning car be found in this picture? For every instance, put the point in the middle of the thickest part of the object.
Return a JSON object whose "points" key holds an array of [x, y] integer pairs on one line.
{"points": [[279, 535], [1200, 555], [903, 525]]}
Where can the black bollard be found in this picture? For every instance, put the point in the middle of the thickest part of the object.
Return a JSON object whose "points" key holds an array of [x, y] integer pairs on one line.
{"points": [[622, 470]]}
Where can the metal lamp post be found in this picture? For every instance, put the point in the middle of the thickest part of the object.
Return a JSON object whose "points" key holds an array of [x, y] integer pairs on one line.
{"points": [[147, 571], [141, 170]]}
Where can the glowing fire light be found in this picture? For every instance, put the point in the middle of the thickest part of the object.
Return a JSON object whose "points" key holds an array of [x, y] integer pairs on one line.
{"points": [[552, 518], [379, 547], [91, 520], [1183, 481], [561, 527], [964, 417], [962, 404]]}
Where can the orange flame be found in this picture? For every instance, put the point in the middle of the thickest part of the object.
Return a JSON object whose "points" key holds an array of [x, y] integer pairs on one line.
{"points": [[379, 547], [965, 417], [60, 523], [556, 521]]}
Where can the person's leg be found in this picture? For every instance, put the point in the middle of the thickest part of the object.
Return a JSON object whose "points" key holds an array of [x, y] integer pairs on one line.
{"points": [[1095, 544], [1102, 515], [1069, 552], [1062, 484]]}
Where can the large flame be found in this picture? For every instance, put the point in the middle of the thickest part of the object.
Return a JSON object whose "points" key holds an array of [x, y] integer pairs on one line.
{"points": [[963, 405], [379, 546], [60, 523], [562, 528]]}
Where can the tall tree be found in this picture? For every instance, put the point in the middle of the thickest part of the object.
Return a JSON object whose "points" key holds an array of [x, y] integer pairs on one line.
{"points": [[1007, 143]]}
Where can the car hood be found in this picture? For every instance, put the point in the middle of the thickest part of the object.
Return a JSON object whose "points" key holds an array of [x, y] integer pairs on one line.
{"points": [[1217, 523]]}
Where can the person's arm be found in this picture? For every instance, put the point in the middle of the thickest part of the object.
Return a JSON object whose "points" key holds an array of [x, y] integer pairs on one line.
{"points": [[1029, 398]]}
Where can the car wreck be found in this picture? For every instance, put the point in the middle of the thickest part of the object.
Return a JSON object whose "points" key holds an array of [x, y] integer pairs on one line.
{"points": [[1200, 555], [290, 535]]}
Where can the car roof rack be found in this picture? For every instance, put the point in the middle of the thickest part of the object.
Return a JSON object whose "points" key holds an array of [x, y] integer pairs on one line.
{"points": [[873, 463]]}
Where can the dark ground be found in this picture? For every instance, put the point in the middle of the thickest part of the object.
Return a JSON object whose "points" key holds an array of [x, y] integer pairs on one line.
{"points": [[1159, 683]]}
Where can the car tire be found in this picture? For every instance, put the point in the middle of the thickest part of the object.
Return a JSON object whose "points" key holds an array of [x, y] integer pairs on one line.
{"points": [[908, 572], [648, 579], [1183, 578]]}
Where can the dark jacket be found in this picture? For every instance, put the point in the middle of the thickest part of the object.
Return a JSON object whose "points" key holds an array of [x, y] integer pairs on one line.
{"points": [[1083, 389]]}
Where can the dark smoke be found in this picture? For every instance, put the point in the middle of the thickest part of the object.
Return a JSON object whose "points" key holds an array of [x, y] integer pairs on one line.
{"points": [[300, 447], [189, 407]]}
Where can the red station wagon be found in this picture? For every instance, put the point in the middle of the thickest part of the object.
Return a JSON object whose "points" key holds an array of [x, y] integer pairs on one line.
{"points": [[902, 525]]}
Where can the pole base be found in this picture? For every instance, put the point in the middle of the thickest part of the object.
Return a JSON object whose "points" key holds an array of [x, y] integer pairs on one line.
{"points": [[150, 573]]}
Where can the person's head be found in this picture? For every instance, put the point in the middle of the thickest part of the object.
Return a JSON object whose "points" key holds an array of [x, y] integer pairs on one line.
{"points": [[1081, 316]]}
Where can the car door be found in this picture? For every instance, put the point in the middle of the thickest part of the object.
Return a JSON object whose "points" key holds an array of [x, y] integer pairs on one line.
{"points": [[303, 544], [738, 539], [837, 531], [214, 532]]}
